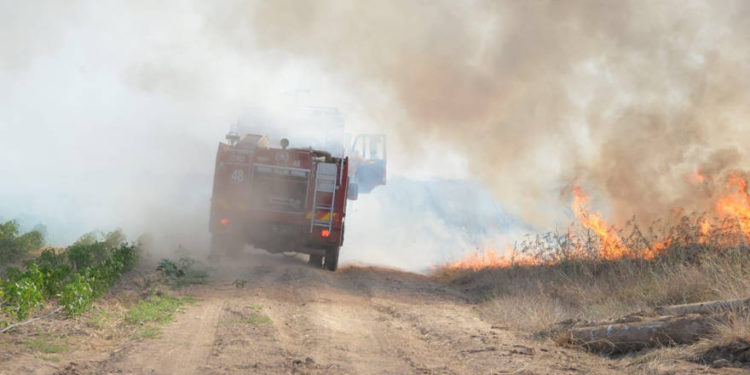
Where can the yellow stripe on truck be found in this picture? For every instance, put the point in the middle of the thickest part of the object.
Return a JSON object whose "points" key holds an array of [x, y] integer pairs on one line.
{"points": [[323, 216]]}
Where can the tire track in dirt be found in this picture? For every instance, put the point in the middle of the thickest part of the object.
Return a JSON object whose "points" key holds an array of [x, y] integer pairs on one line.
{"points": [[183, 347], [290, 318], [368, 321]]}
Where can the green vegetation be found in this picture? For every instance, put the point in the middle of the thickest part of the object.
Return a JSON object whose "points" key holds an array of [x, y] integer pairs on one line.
{"points": [[102, 317], [13, 247], [148, 332], [77, 275], [47, 344], [152, 311], [51, 358], [185, 271], [77, 295], [257, 318], [23, 292], [156, 308]]}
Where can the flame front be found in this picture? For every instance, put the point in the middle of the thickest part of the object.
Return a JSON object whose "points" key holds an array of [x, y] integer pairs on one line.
{"points": [[736, 202], [611, 246], [489, 258], [732, 225]]}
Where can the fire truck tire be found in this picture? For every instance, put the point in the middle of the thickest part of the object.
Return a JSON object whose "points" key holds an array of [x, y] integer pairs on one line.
{"points": [[332, 258], [226, 246], [316, 261]]}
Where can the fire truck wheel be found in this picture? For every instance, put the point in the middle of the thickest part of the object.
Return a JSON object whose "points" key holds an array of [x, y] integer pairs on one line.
{"points": [[316, 261], [332, 258], [226, 246]]}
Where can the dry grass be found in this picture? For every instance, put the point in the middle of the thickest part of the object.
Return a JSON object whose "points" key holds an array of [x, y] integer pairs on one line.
{"points": [[731, 343], [691, 269], [534, 297]]}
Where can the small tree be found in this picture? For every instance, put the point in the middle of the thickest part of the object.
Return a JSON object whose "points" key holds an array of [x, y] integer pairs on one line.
{"points": [[13, 247]]}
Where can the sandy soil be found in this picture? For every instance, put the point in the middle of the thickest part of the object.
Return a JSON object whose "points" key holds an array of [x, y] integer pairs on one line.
{"points": [[291, 318]]}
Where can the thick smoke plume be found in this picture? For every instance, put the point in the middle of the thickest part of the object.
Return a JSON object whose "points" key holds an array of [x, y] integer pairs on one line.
{"points": [[625, 97]]}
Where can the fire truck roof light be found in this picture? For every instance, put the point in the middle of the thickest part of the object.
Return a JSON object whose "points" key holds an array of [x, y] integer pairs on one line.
{"points": [[325, 233]]}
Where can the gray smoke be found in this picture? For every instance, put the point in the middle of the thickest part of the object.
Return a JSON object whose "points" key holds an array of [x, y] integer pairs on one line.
{"points": [[624, 97]]}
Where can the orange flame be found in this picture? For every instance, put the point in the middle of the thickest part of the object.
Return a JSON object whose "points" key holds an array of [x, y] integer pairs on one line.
{"points": [[704, 230], [736, 202], [611, 244], [489, 258], [733, 203]]}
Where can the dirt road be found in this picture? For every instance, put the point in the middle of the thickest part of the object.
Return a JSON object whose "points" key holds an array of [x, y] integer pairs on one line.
{"points": [[291, 318]]}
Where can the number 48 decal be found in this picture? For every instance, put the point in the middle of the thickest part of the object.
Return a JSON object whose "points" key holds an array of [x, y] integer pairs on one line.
{"points": [[238, 175]]}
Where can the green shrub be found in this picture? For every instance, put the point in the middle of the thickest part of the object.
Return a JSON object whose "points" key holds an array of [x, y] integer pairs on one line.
{"points": [[127, 255], [169, 269], [80, 256], [98, 265], [12, 273], [54, 278], [54, 269], [185, 271], [12, 246], [77, 295], [24, 292]]}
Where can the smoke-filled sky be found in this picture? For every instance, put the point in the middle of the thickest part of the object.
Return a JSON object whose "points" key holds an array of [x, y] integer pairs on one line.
{"points": [[624, 97], [111, 110]]}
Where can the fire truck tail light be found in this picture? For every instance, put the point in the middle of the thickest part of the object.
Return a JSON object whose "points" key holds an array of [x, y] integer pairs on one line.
{"points": [[224, 221], [325, 233]]}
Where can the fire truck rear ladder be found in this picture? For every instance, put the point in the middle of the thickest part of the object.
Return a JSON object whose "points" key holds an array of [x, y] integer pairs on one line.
{"points": [[325, 182]]}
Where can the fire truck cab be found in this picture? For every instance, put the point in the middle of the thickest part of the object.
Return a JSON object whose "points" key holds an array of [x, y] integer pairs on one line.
{"points": [[279, 199]]}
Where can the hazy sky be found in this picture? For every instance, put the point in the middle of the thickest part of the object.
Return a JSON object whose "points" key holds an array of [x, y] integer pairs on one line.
{"points": [[111, 113]]}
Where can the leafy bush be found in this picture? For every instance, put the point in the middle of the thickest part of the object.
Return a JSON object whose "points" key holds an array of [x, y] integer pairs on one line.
{"points": [[184, 272], [80, 256], [12, 246], [54, 270], [98, 265], [169, 269], [127, 255], [24, 292], [77, 295]]}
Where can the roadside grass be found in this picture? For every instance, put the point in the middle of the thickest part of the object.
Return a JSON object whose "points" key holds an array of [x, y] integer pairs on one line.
{"points": [[148, 332], [183, 272], [241, 315], [150, 313], [155, 308], [48, 344], [257, 318], [51, 358], [102, 317]]}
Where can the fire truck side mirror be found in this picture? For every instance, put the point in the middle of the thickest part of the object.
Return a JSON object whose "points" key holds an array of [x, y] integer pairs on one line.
{"points": [[284, 143], [352, 193]]}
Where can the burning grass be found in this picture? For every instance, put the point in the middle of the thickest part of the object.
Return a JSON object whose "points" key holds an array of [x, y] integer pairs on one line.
{"points": [[595, 271]]}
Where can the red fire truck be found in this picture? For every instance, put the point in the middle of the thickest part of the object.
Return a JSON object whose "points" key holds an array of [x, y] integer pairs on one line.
{"points": [[279, 199]]}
